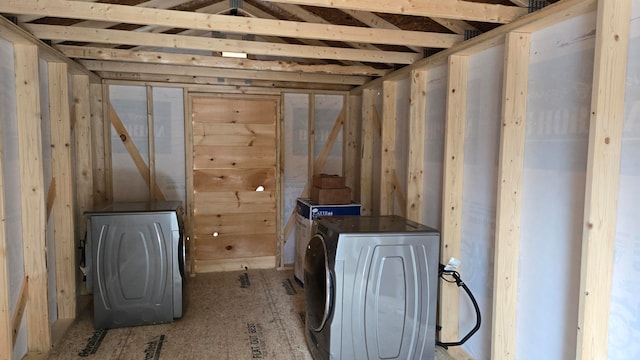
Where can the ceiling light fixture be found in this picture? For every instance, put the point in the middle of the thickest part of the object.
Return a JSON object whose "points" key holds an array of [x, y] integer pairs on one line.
{"points": [[232, 54]]}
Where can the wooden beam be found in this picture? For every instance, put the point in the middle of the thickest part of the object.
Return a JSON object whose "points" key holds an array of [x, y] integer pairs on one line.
{"points": [[305, 15], [32, 194], [374, 21], [63, 215], [152, 144], [366, 160], [450, 9], [5, 315], [415, 170], [452, 190], [224, 7], [231, 24], [161, 69], [548, 16], [189, 196], [99, 147], [388, 155], [17, 35], [401, 198], [280, 179], [603, 173], [155, 4], [337, 127], [51, 198], [159, 4], [138, 160], [252, 11], [151, 57], [311, 143], [209, 84], [18, 314], [217, 8], [106, 139], [122, 37], [509, 202], [350, 164], [457, 26], [81, 125]]}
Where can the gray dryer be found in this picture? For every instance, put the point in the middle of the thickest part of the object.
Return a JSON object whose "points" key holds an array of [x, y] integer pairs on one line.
{"points": [[135, 263], [370, 286]]}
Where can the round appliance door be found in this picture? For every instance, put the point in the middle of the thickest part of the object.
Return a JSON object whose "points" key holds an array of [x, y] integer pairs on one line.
{"points": [[318, 284]]}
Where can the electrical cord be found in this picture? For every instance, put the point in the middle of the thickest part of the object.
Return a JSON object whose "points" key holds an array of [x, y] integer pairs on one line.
{"points": [[458, 281]]}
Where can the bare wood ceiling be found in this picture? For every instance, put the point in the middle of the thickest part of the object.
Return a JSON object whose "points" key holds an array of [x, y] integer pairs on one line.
{"points": [[332, 44]]}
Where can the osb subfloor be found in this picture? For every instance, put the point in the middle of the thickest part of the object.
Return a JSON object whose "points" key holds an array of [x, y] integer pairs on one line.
{"points": [[256, 314]]}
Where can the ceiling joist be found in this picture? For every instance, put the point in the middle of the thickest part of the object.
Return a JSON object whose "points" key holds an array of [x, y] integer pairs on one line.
{"points": [[150, 57], [226, 85], [161, 69], [296, 43], [232, 24], [108, 36]]}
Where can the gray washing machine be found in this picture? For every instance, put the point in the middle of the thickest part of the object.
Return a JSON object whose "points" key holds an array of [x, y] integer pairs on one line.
{"points": [[370, 288], [135, 263]]}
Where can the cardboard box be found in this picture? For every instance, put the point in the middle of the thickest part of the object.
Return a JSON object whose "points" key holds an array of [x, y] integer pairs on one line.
{"points": [[326, 181], [306, 211], [331, 196]]}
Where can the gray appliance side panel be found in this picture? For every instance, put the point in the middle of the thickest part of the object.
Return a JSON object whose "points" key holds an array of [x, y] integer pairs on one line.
{"points": [[132, 267], [177, 250], [393, 292], [88, 256]]}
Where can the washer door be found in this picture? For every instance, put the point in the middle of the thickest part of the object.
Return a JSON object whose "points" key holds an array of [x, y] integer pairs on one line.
{"points": [[318, 284]]}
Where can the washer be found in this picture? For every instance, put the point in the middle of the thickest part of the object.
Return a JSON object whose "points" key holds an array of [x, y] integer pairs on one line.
{"points": [[370, 288], [135, 263]]}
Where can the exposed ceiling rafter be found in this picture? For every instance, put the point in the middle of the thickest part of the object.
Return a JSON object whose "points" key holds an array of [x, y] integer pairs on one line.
{"points": [[108, 36], [232, 24], [150, 57], [449, 9]]}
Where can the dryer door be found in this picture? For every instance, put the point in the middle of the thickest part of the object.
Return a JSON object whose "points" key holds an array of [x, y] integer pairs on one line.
{"points": [[318, 284]]}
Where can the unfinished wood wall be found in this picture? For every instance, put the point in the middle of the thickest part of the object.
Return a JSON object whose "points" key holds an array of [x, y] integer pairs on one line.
{"points": [[49, 211], [612, 37], [365, 168]]}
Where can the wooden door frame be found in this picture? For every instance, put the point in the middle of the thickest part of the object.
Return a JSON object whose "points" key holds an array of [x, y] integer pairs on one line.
{"points": [[188, 141]]}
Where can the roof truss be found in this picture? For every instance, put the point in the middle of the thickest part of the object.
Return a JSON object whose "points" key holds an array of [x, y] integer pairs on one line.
{"points": [[289, 41]]}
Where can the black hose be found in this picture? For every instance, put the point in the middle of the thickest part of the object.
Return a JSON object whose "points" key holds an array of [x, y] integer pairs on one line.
{"points": [[460, 283]]}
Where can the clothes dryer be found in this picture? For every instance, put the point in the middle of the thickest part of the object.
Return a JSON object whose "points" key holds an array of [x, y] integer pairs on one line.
{"points": [[370, 288], [135, 263]]}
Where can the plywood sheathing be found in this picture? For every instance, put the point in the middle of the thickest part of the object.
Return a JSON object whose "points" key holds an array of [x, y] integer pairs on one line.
{"points": [[257, 314]]}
